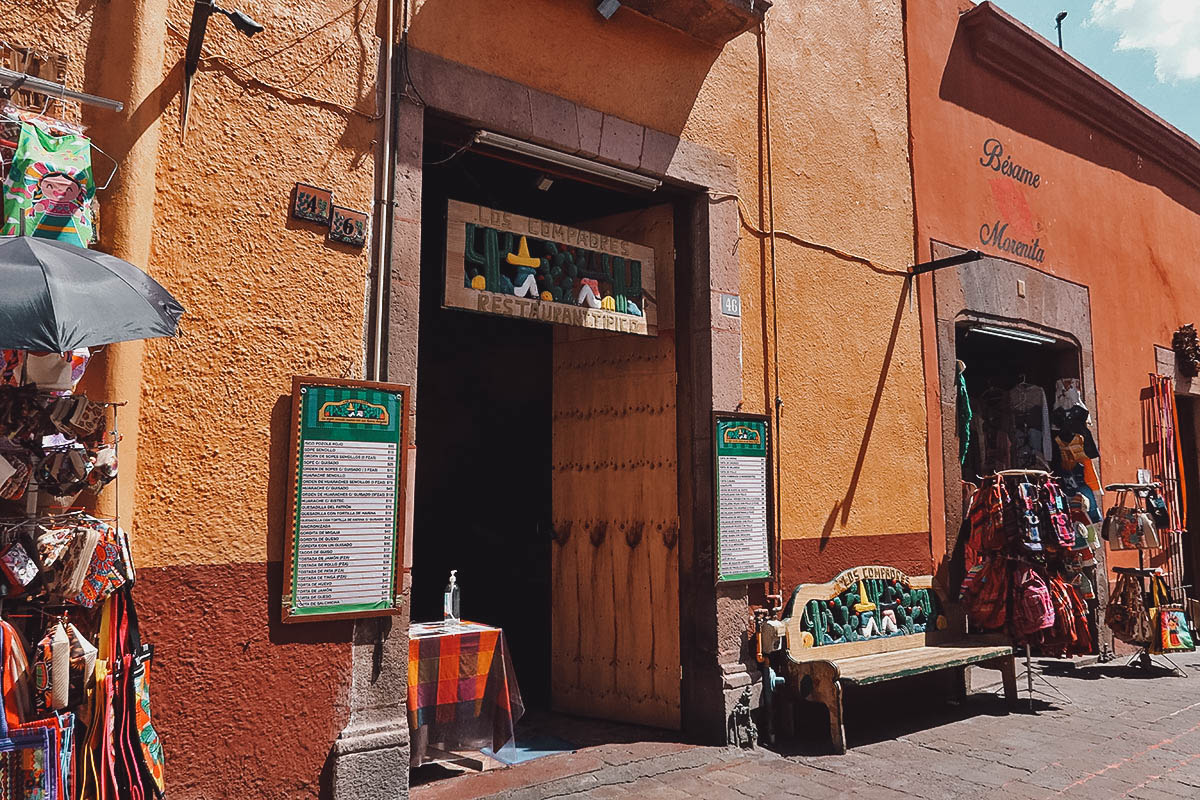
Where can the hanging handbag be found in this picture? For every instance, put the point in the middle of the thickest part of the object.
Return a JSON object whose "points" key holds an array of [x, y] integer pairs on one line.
{"points": [[1126, 613]]}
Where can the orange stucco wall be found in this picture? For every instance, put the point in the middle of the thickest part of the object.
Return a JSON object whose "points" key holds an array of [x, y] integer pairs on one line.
{"points": [[266, 298], [1107, 218], [852, 438]]}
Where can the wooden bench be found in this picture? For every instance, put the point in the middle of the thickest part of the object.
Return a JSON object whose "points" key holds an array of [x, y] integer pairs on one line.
{"points": [[874, 624]]}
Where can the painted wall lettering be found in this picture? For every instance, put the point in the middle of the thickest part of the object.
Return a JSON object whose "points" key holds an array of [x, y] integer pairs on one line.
{"points": [[995, 159], [996, 235]]}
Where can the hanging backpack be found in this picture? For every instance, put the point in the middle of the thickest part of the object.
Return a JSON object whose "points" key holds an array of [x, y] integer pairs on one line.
{"points": [[1056, 514], [984, 593], [1032, 608], [1031, 535]]}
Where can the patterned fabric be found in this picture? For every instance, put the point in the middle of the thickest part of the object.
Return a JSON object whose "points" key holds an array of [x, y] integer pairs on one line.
{"points": [[151, 746], [106, 572], [49, 190], [461, 683]]}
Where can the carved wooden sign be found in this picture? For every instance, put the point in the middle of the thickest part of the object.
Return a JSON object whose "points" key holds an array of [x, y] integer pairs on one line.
{"points": [[502, 263], [864, 603]]}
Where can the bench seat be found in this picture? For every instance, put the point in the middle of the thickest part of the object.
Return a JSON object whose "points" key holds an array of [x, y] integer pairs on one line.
{"points": [[875, 624], [863, 670]]}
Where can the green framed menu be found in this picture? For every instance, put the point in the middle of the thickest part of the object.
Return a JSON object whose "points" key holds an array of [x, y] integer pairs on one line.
{"points": [[347, 477], [742, 497]]}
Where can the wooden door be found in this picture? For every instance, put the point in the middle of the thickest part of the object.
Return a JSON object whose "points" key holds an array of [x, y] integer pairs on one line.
{"points": [[615, 565]]}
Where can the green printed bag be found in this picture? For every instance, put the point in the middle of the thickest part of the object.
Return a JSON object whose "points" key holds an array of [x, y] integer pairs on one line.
{"points": [[49, 190]]}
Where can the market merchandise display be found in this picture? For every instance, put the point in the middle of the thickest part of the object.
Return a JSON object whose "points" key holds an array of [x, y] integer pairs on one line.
{"points": [[1139, 610], [1030, 560], [75, 673]]}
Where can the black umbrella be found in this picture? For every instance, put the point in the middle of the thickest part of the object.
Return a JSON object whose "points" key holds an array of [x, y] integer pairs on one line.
{"points": [[55, 297]]}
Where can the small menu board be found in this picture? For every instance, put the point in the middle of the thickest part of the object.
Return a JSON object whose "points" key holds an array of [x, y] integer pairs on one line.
{"points": [[346, 499], [742, 497]]}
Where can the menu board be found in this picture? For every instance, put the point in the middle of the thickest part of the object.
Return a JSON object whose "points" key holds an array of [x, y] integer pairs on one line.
{"points": [[742, 497], [346, 504]]}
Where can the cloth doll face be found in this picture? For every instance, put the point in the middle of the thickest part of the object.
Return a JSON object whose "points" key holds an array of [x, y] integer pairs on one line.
{"points": [[61, 189]]}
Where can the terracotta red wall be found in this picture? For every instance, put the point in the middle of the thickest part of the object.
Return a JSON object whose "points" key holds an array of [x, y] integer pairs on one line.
{"points": [[1107, 217]]}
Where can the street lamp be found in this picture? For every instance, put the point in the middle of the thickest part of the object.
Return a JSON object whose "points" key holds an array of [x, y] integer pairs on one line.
{"points": [[1058, 22]]}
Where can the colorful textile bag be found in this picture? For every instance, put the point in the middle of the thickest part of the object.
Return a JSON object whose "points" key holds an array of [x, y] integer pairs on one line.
{"points": [[49, 190], [1032, 609], [1126, 612], [1129, 528], [1172, 633], [984, 593], [63, 666], [1031, 536]]}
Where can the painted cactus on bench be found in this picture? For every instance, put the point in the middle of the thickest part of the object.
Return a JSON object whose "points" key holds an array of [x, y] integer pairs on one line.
{"points": [[870, 609]]}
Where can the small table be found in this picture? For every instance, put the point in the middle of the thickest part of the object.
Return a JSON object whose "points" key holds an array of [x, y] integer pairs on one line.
{"points": [[462, 690]]}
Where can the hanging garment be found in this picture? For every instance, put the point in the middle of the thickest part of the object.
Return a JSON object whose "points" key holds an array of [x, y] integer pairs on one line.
{"points": [[992, 418], [1030, 430], [1079, 450], [49, 190], [963, 414]]}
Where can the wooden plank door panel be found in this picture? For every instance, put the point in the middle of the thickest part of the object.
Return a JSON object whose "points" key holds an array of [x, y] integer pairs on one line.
{"points": [[615, 502]]}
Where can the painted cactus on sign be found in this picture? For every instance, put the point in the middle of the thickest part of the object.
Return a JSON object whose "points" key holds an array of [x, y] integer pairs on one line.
{"points": [[876, 607], [498, 261]]}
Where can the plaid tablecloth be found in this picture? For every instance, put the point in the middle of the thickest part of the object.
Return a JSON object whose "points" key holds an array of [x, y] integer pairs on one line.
{"points": [[462, 691]]}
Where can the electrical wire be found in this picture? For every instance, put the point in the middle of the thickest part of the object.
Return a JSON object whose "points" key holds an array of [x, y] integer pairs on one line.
{"points": [[802, 241], [253, 79], [405, 72]]}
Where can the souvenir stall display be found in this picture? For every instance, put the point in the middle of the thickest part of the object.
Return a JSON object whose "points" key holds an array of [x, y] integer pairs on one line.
{"points": [[1139, 610], [1028, 556], [75, 672]]}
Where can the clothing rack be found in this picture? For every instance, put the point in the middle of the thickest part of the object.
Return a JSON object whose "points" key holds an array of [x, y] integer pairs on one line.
{"points": [[11, 79]]}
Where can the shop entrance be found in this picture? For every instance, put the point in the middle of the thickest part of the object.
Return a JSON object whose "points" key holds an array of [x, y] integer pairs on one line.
{"points": [[546, 469], [1012, 378]]}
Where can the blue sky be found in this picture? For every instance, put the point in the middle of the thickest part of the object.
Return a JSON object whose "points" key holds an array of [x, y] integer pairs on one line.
{"points": [[1150, 49]]}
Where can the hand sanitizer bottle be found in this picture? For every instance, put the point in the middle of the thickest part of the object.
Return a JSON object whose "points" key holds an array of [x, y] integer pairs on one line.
{"points": [[450, 604]]}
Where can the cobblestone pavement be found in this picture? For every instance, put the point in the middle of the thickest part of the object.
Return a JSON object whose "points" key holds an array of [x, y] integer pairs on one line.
{"points": [[1127, 732]]}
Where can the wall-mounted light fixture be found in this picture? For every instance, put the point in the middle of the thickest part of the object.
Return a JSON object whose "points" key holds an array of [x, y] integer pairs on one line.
{"points": [[201, 11], [561, 159], [1015, 334]]}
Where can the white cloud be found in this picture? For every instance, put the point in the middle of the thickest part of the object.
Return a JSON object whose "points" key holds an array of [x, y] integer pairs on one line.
{"points": [[1169, 28]]}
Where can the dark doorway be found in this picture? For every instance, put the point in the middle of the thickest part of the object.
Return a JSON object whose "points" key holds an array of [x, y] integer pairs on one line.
{"points": [[994, 366], [483, 492]]}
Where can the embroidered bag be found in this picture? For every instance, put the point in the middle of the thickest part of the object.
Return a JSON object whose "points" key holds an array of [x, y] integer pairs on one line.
{"points": [[1031, 536], [1032, 609], [1126, 613], [107, 570], [984, 593], [18, 567], [1056, 510]]}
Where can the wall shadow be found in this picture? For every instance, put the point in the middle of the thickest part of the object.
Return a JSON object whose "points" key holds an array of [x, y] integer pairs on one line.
{"points": [[968, 84], [649, 71], [840, 513]]}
